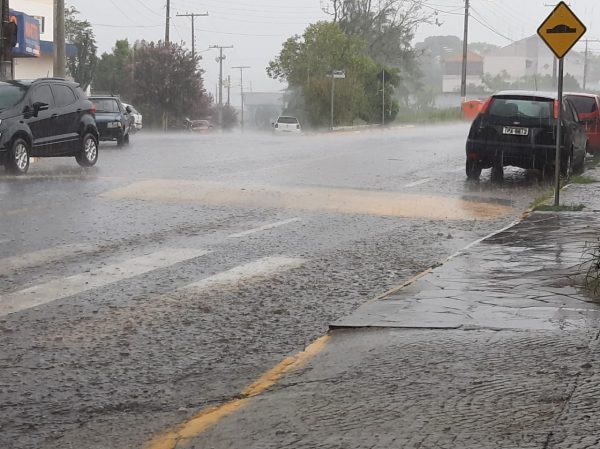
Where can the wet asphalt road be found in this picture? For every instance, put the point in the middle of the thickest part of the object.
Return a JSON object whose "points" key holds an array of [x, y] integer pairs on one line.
{"points": [[178, 270]]}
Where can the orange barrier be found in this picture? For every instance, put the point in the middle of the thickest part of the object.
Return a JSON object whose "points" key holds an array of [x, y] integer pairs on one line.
{"points": [[471, 108]]}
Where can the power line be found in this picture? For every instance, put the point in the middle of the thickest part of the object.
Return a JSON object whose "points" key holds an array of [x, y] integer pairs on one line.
{"points": [[483, 23]]}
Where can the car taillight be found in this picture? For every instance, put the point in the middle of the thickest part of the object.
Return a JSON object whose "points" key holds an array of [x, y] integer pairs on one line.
{"points": [[556, 109], [486, 105], [94, 109], [276, 125]]}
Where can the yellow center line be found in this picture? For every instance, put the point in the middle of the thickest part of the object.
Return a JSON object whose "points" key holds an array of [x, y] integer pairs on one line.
{"points": [[209, 417]]}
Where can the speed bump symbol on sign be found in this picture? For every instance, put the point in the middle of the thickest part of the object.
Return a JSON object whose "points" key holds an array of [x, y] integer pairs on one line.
{"points": [[561, 30]]}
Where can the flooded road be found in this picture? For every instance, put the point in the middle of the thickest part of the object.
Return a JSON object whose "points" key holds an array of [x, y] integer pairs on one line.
{"points": [[178, 270]]}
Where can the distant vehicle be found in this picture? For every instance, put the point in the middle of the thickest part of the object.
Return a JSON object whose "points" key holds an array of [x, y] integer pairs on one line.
{"points": [[199, 126], [517, 128], [588, 111], [136, 120], [112, 119], [287, 124], [45, 118]]}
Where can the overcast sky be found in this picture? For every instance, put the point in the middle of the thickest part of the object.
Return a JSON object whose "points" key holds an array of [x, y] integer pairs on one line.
{"points": [[257, 28]]}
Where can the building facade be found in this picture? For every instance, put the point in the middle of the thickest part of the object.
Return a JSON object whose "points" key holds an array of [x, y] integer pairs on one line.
{"points": [[30, 67]]}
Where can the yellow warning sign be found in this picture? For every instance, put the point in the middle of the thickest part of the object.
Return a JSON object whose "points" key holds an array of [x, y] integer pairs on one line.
{"points": [[561, 30]]}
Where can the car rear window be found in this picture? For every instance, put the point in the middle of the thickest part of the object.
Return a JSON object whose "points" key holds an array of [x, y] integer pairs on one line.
{"points": [[531, 110], [583, 105], [290, 120], [105, 105]]}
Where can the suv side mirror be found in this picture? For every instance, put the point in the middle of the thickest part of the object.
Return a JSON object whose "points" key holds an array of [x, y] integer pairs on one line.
{"points": [[128, 109], [39, 106]]}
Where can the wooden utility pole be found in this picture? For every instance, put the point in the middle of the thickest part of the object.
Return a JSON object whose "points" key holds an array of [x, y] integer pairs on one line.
{"points": [[220, 60], [242, 68], [193, 17], [168, 22], [463, 79], [5, 51], [60, 60]]}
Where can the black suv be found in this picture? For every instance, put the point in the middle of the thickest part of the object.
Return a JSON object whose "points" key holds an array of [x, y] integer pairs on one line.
{"points": [[518, 128], [112, 118], [45, 118]]}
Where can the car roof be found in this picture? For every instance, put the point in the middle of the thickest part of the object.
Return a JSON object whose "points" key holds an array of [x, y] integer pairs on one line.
{"points": [[581, 94], [103, 97], [30, 82], [288, 116], [527, 93]]}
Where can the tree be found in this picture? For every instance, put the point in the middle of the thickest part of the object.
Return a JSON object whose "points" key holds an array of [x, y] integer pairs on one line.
{"points": [[388, 28], [83, 65], [115, 71], [306, 63], [168, 85]]}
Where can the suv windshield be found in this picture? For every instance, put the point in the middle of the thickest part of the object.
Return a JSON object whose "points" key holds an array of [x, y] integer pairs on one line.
{"points": [[105, 105], [10, 95], [530, 111]]}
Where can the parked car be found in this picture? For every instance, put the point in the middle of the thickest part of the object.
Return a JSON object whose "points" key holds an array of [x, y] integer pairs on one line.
{"points": [[136, 120], [45, 118], [588, 110], [287, 124], [518, 128], [112, 119], [199, 126]]}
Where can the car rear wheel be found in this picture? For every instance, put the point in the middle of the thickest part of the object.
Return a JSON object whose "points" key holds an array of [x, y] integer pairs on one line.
{"points": [[17, 161], [88, 154], [497, 175], [579, 167], [473, 170], [566, 166]]}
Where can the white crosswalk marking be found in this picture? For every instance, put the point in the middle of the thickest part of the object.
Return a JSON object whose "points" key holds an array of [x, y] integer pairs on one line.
{"points": [[65, 287], [264, 228], [261, 268], [12, 264]]}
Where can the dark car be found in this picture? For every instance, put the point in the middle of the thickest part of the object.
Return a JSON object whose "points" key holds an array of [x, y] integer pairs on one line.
{"points": [[112, 118], [588, 110], [45, 118], [518, 128]]}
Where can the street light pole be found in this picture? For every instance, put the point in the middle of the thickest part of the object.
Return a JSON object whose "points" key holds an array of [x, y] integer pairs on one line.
{"points": [[242, 89]]}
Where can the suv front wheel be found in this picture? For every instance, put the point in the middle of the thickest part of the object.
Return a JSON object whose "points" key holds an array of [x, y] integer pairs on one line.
{"points": [[17, 161], [88, 154]]}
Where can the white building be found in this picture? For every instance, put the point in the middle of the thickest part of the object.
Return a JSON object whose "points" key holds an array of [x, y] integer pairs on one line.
{"points": [[529, 57], [43, 65]]}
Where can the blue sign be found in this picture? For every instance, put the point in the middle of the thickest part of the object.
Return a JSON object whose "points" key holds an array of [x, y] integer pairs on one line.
{"points": [[28, 35]]}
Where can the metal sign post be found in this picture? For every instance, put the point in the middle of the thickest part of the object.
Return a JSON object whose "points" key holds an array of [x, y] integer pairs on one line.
{"points": [[558, 133], [560, 31]]}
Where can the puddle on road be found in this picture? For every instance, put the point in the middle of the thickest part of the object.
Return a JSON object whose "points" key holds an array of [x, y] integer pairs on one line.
{"points": [[336, 200]]}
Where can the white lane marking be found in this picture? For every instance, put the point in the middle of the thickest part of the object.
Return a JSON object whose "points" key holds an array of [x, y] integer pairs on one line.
{"points": [[264, 228], [79, 283], [418, 183], [15, 263], [261, 268]]}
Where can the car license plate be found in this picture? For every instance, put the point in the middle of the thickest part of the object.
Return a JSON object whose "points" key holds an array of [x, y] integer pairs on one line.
{"points": [[515, 131]]}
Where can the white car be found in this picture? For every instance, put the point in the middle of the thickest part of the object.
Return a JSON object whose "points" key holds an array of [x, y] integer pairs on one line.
{"points": [[136, 121], [287, 124]]}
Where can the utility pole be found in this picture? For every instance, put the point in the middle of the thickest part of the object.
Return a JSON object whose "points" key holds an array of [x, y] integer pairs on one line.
{"points": [[220, 59], [229, 90], [463, 80], [242, 89], [193, 17], [383, 100], [168, 22], [60, 60], [5, 66], [585, 64]]}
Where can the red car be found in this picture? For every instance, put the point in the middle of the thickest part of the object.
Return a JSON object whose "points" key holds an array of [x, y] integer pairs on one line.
{"points": [[588, 109]]}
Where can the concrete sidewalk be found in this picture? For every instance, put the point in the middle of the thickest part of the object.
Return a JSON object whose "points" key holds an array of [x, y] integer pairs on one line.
{"points": [[497, 348]]}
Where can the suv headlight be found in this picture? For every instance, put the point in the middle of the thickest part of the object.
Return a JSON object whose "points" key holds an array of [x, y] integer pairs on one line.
{"points": [[114, 124]]}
